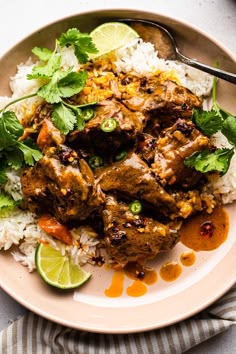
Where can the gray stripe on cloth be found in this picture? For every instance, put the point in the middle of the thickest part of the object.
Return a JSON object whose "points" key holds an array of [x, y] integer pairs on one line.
{"points": [[32, 334]]}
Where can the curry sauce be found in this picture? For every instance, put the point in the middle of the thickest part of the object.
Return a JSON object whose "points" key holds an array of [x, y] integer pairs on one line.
{"points": [[205, 232]]}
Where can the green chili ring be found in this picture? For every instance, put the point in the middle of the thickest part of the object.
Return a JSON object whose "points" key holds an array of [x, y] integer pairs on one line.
{"points": [[135, 207], [95, 161], [108, 125], [121, 155], [87, 114]]}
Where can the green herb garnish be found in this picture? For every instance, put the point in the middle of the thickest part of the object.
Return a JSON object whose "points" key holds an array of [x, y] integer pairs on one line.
{"points": [[13, 152], [59, 84], [82, 43], [208, 161], [7, 204], [209, 123]]}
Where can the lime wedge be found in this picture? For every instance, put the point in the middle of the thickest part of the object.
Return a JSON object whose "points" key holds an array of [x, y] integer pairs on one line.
{"points": [[58, 270], [110, 36]]}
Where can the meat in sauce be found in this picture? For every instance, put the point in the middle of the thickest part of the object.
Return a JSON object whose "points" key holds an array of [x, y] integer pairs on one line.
{"points": [[153, 128]]}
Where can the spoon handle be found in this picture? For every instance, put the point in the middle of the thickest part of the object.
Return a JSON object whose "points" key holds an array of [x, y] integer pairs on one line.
{"points": [[230, 77]]}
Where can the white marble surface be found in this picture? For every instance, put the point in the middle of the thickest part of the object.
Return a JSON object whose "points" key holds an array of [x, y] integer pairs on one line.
{"points": [[216, 17]]}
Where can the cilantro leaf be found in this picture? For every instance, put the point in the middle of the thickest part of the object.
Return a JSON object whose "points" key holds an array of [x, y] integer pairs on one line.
{"points": [[48, 69], [3, 170], [5, 200], [73, 83], [85, 41], [81, 55], [69, 38], [209, 122], [43, 54], [50, 91], [14, 152], [30, 155], [7, 203], [207, 161], [78, 110], [62, 84], [14, 158], [82, 43], [10, 129], [229, 129], [80, 124], [63, 118]]}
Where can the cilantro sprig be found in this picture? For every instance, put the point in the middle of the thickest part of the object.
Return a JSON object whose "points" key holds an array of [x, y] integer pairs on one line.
{"points": [[61, 84], [13, 152], [207, 161], [82, 43], [7, 204], [58, 85], [209, 123]]}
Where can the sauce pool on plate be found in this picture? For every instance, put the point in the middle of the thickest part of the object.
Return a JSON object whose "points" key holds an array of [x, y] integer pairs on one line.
{"points": [[170, 271], [205, 232], [188, 258]]}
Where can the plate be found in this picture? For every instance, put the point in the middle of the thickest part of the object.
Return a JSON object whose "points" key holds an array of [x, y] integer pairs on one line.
{"points": [[165, 303]]}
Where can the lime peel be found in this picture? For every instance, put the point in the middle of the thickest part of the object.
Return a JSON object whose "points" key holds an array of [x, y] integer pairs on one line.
{"points": [[110, 36], [58, 270]]}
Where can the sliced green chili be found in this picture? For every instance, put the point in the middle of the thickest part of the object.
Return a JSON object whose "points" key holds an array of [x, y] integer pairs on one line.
{"points": [[108, 125], [95, 161], [87, 114], [121, 155], [135, 207]]}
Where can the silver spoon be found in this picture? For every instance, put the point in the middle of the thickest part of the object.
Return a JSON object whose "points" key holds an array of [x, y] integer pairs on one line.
{"points": [[168, 49]]}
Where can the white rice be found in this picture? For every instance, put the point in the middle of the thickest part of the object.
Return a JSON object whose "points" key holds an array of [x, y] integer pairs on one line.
{"points": [[20, 228], [142, 59], [13, 185], [17, 226]]}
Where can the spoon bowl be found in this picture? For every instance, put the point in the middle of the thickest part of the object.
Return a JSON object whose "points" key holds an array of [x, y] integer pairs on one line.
{"points": [[167, 47]]}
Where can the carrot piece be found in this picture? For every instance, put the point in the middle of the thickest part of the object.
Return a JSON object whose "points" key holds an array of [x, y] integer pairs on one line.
{"points": [[55, 229]]}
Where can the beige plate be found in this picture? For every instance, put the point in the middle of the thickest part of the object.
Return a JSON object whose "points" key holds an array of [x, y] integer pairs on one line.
{"points": [[165, 303]]}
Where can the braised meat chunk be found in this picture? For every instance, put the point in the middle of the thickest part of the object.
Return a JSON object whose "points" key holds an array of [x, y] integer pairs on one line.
{"points": [[153, 94], [127, 126], [62, 185], [132, 177], [131, 238], [146, 146], [174, 145], [192, 202], [49, 135]]}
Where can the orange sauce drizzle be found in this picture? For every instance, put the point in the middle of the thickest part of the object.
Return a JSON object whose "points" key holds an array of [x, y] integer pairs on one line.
{"points": [[188, 258], [192, 237], [137, 271], [138, 288], [170, 271], [117, 285]]}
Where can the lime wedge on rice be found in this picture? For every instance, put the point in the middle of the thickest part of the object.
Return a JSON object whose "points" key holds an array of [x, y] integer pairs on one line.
{"points": [[58, 270], [110, 36]]}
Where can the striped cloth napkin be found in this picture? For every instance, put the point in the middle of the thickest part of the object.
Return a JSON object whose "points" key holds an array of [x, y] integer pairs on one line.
{"points": [[32, 334]]}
